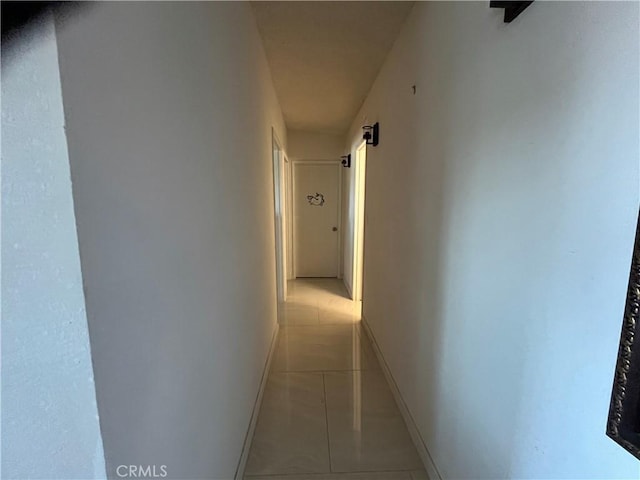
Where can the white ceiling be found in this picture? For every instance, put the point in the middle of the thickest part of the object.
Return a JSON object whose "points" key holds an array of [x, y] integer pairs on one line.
{"points": [[325, 55]]}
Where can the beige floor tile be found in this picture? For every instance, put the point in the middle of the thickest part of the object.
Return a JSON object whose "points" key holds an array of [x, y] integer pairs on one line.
{"points": [[291, 432], [303, 297], [324, 284], [298, 314], [366, 430], [323, 348], [317, 292], [349, 408], [339, 476], [330, 317], [337, 301]]}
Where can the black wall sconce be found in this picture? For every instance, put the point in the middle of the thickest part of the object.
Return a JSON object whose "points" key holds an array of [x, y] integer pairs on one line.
{"points": [[511, 9], [346, 161], [371, 134]]}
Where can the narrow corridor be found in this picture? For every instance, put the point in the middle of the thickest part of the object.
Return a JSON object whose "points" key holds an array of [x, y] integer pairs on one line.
{"points": [[167, 166], [327, 411]]}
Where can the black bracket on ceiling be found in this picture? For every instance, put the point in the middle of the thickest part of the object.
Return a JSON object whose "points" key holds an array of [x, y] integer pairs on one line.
{"points": [[511, 9], [346, 161], [371, 134]]}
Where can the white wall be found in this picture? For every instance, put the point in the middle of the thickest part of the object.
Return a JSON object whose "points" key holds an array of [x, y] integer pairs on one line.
{"points": [[501, 207], [348, 221], [304, 145], [50, 427], [349, 204], [169, 110]]}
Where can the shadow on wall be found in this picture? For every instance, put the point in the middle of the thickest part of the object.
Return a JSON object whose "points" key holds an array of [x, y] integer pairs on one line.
{"points": [[22, 20]]}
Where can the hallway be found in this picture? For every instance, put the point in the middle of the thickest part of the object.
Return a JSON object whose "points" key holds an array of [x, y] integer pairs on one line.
{"points": [[168, 166], [327, 408]]}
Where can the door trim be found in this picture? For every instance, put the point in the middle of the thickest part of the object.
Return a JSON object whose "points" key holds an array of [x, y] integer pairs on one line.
{"points": [[360, 172], [293, 211], [288, 217], [279, 208]]}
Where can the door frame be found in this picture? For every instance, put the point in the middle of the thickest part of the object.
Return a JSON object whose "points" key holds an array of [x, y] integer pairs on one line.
{"points": [[288, 186], [279, 210], [293, 211], [359, 196]]}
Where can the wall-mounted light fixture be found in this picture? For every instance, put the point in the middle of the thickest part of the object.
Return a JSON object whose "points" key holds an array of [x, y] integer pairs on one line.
{"points": [[371, 134], [346, 161]]}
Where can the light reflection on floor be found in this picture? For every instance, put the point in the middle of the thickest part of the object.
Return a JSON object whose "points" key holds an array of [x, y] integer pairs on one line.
{"points": [[327, 411]]}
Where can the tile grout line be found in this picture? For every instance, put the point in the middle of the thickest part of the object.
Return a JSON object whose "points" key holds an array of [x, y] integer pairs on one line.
{"points": [[326, 418], [330, 371], [363, 340], [322, 476]]}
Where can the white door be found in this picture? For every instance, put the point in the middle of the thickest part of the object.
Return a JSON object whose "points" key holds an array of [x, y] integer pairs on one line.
{"points": [[316, 216]]}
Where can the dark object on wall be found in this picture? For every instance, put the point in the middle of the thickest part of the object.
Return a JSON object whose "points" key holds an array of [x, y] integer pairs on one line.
{"points": [[371, 134], [18, 18], [316, 200], [623, 424], [511, 9], [18, 15], [346, 161]]}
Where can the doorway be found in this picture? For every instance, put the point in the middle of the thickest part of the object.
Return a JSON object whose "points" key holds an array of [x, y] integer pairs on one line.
{"points": [[279, 203], [360, 173], [316, 204], [288, 218]]}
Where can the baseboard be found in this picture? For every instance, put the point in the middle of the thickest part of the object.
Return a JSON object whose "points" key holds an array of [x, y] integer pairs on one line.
{"points": [[425, 456], [242, 463]]}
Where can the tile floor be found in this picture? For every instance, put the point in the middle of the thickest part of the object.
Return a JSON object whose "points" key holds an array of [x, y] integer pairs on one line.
{"points": [[327, 411]]}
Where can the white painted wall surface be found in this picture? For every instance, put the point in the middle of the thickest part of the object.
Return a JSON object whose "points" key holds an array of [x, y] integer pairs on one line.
{"points": [[348, 223], [349, 205], [304, 145], [50, 427], [169, 110], [501, 207]]}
